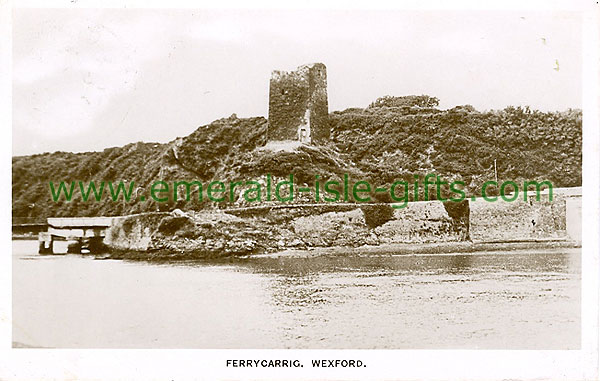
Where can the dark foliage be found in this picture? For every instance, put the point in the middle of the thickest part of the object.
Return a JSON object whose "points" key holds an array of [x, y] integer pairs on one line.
{"points": [[377, 215], [461, 144], [394, 139], [406, 101]]}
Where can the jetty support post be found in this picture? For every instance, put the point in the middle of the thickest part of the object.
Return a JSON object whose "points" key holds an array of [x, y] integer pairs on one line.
{"points": [[46, 243], [74, 245]]}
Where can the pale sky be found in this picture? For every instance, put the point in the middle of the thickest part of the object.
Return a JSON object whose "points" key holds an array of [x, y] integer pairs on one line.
{"points": [[86, 80]]}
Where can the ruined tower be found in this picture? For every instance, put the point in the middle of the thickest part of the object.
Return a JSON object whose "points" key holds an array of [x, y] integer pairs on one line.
{"points": [[298, 105]]}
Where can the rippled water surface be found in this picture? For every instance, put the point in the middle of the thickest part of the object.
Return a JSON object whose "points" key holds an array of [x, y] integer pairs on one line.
{"points": [[501, 300]]}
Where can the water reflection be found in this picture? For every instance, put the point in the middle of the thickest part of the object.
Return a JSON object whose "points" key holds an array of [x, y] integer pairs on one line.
{"points": [[297, 291], [383, 265], [501, 300], [460, 263]]}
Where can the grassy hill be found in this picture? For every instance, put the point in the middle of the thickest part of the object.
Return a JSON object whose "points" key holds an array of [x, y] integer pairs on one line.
{"points": [[382, 143]]}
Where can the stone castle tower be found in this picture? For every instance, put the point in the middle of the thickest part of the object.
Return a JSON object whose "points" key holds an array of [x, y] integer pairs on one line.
{"points": [[298, 108]]}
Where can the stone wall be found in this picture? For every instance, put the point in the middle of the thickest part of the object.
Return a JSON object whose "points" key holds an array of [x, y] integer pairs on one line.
{"points": [[332, 229], [430, 221], [298, 109], [267, 229], [518, 220], [574, 217], [357, 224], [133, 232], [420, 222]]}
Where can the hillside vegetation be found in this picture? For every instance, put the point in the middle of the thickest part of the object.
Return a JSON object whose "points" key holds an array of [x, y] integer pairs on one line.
{"points": [[393, 139]]}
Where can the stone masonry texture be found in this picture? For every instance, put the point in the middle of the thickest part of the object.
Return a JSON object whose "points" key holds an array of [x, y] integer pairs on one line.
{"points": [[298, 109]]}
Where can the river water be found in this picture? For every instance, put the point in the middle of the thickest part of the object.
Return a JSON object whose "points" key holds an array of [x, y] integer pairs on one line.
{"points": [[499, 300]]}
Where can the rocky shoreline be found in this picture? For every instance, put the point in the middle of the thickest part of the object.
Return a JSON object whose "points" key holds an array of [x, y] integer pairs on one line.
{"points": [[342, 229], [453, 248]]}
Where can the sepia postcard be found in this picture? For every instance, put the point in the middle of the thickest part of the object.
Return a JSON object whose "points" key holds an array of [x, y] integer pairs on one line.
{"points": [[301, 191]]}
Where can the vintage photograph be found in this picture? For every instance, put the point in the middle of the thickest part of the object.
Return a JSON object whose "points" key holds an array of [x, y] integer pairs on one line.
{"points": [[297, 179]]}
